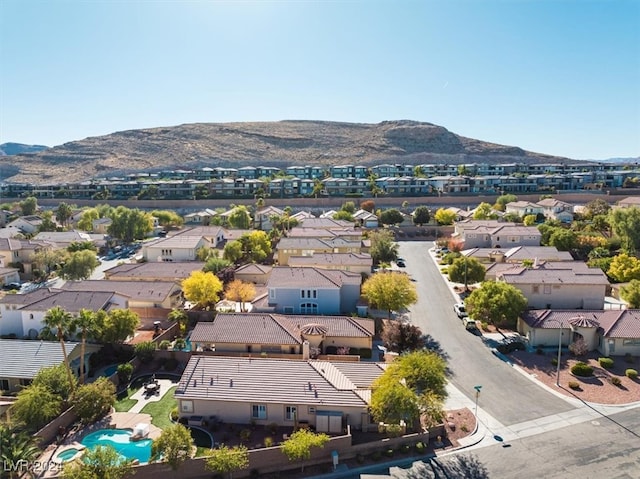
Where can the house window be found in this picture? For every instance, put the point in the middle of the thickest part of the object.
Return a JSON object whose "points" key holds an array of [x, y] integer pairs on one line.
{"points": [[308, 293], [186, 406], [308, 308], [547, 289], [290, 413], [258, 411], [272, 293], [536, 289], [311, 410], [4, 384], [631, 342]]}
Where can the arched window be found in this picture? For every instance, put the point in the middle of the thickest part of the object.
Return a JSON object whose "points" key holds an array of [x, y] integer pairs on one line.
{"points": [[308, 308]]}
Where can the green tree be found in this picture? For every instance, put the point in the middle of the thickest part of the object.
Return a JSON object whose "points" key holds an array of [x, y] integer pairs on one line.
{"points": [[240, 218], [16, 448], [391, 217], [129, 224], [179, 316], [298, 446], [144, 351], [497, 303], [47, 260], [392, 401], [87, 219], [625, 224], [233, 251], [256, 245], [596, 207], [56, 380], [64, 212], [94, 400], [390, 291], [168, 218], [466, 270], [203, 253], [87, 325], [174, 445], [349, 207], [75, 246], [563, 239], [444, 216], [484, 211], [202, 289], [631, 293], [35, 406], [529, 220], [101, 462], [224, 459], [61, 321], [624, 268], [29, 206], [383, 246], [422, 371], [343, 215], [503, 200], [215, 264], [421, 215], [47, 223], [80, 265], [117, 325]]}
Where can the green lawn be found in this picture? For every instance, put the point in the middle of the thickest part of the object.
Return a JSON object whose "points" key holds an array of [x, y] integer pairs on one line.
{"points": [[124, 403], [160, 410]]}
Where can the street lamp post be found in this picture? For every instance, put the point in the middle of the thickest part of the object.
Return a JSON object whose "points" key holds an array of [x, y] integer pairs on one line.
{"points": [[559, 349], [477, 388]]}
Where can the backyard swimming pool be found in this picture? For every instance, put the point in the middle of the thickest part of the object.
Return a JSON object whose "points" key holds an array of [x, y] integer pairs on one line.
{"points": [[120, 440], [108, 372]]}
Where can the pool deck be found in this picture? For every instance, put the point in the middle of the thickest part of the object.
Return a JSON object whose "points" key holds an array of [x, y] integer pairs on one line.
{"points": [[115, 420]]}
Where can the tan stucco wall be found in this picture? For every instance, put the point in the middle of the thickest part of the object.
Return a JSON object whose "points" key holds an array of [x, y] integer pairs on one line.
{"points": [[565, 296]]}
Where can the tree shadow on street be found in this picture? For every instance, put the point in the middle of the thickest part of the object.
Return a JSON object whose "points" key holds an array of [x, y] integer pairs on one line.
{"points": [[462, 466], [432, 345]]}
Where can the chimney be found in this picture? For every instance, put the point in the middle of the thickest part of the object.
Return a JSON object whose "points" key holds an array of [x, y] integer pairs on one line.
{"points": [[305, 350]]}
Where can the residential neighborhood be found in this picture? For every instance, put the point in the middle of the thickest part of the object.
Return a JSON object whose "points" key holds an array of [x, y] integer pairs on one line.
{"points": [[275, 321]]}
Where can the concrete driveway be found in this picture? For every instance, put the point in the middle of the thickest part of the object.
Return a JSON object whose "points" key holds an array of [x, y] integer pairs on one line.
{"points": [[506, 394]]}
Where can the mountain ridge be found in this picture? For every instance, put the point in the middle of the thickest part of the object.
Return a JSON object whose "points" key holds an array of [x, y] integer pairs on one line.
{"points": [[282, 143]]}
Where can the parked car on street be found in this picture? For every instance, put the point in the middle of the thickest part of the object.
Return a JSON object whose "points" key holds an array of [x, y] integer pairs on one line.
{"points": [[460, 311]]}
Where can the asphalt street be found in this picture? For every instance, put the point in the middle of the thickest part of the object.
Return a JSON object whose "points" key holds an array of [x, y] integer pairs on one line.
{"points": [[506, 394]]}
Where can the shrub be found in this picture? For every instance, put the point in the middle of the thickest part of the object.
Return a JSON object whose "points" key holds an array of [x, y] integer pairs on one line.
{"points": [[554, 361], [484, 325], [268, 441], [174, 414], [420, 447], [615, 380], [574, 385], [365, 353], [631, 373], [582, 369], [394, 430], [164, 344], [179, 344], [124, 372], [578, 347], [606, 363], [145, 351]]}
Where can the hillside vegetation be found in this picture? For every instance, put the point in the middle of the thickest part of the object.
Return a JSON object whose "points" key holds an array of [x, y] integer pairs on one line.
{"points": [[269, 143]]}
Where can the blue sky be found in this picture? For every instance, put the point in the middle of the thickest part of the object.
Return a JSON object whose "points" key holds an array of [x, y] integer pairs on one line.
{"points": [[559, 77]]}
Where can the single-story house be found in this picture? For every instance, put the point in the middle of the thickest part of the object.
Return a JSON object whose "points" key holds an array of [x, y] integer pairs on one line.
{"points": [[174, 248], [283, 334], [354, 262], [365, 219], [164, 271], [253, 273], [328, 396], [613, 332], [21, 360]]}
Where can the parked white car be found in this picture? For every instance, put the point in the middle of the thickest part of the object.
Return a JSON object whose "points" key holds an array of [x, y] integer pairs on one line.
{"points": [[460, 311]]}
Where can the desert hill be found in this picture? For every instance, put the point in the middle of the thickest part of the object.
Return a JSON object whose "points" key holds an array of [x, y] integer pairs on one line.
{"points": [[277, 144]]}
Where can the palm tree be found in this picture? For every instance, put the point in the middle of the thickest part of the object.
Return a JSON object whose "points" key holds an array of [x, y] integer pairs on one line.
{"points": [[60, 320], [180, 317], [16, 448], [86, 323]]}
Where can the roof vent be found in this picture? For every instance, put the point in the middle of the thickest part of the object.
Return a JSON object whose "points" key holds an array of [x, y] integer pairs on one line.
{"points": [[231, 383], [211, 382], [315, 392], [195, 383]]}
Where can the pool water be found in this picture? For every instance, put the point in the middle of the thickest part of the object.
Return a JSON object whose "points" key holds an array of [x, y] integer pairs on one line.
{"points": [[119, 439], [67, 454], [108, 372]]}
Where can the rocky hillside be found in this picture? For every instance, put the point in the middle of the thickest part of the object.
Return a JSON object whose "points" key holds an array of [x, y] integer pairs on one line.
{"points": [[17, 148], [270, 144]]}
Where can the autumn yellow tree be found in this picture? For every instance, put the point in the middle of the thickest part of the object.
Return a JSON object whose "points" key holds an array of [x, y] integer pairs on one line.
{"points": [[390, 291], [202, 289], [240, 291]]}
